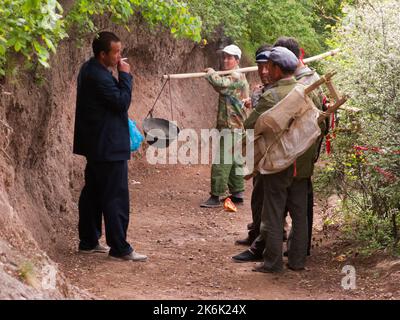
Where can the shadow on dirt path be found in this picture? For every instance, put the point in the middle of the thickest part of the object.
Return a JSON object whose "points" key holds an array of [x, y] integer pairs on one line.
{"points": [[190, 250]]}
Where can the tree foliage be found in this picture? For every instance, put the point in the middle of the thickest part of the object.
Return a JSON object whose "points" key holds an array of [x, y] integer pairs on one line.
{"points": [[366, 163], [172, 14], [35, 27], [30, 27], [252, 23]]}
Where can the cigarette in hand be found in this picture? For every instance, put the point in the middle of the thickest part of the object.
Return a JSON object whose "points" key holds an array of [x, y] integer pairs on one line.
{"points": [[123, 59]]}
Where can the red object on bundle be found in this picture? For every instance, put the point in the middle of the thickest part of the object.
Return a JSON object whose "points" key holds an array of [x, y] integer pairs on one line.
{"points": [[328, 136], [302, 54], [295, 169], [328, 144]]}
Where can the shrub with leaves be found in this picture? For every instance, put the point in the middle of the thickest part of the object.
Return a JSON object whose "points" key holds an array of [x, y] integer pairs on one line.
{"points": [[30, 27], [34, 28], [252, 23], [366, 163], [172, 14]]}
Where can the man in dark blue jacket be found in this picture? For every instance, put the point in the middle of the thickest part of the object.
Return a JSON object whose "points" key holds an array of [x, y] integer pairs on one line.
{"points": [[102, 136]]}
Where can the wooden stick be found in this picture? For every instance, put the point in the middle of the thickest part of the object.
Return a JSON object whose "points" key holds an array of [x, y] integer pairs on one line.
{"points": [[322, 80], [244, 70], [321, 56], [332, 109], [202, 74]]}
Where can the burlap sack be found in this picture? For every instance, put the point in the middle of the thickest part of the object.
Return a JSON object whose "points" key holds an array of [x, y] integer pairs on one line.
{"points": [[285, 132]]}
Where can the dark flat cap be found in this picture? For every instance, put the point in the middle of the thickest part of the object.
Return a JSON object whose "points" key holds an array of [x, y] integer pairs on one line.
{"points": [[263, 56], [281, 56]]}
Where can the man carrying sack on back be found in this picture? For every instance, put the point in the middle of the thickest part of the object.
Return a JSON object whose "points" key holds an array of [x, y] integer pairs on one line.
{"points": [[305, 163], [233, 90], [279, 88], [281, 191]]}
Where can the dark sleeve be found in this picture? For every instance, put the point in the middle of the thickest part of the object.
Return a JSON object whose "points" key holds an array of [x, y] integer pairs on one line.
{"points": [[116, 94]]}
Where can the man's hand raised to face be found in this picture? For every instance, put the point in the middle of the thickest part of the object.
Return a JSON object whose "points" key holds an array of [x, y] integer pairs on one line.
{"points": [[124, 66]]}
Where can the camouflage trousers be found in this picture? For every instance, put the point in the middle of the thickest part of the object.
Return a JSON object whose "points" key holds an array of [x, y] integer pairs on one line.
{"points": [[228, 172]]}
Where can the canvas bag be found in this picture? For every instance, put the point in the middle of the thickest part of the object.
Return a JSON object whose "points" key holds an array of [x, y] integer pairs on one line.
{"points": [[285, 132]]}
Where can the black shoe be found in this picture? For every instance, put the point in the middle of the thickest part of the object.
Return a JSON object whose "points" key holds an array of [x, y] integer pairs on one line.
{"points": [[247, 256], [237, 200], [263, 269], [295, 269], [97, 249], [286, 254], [133, 256], [212, 202], [234, 199], [244, 242]]}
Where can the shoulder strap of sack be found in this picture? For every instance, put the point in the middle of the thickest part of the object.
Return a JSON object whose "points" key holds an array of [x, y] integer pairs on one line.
{"points": [[275, 95]]}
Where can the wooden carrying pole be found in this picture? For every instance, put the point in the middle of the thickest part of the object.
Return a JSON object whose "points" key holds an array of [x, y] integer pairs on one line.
{"points": [[339, 101], [248, 69]]}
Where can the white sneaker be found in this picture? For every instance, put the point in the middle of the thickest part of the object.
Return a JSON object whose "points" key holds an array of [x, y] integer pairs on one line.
{"points": [[133, 256], [98, 249]]}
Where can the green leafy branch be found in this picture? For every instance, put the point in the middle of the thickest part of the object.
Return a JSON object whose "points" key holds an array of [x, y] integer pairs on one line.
{"points": [[34, 28]]}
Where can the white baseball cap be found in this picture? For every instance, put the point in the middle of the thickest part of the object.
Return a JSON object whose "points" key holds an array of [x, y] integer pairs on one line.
{"points": [[233, 50]]}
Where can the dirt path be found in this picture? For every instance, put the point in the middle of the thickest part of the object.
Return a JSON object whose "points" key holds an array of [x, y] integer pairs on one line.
{"points": [[190, 250]]}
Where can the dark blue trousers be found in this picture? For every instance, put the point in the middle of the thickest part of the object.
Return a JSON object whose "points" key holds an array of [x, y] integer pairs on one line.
{"points": [[105, 194]]}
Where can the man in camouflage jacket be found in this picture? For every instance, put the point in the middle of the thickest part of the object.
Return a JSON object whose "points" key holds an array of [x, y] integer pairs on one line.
{"points": [[233, 89]]}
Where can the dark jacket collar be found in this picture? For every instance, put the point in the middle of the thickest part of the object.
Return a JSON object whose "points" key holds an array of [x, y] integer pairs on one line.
{"points": [[96, 62]]}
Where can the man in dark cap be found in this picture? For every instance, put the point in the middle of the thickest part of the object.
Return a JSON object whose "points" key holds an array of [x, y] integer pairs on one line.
{"points": [[257, 194], [305, 163], [279, 65], [280, 190]]}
